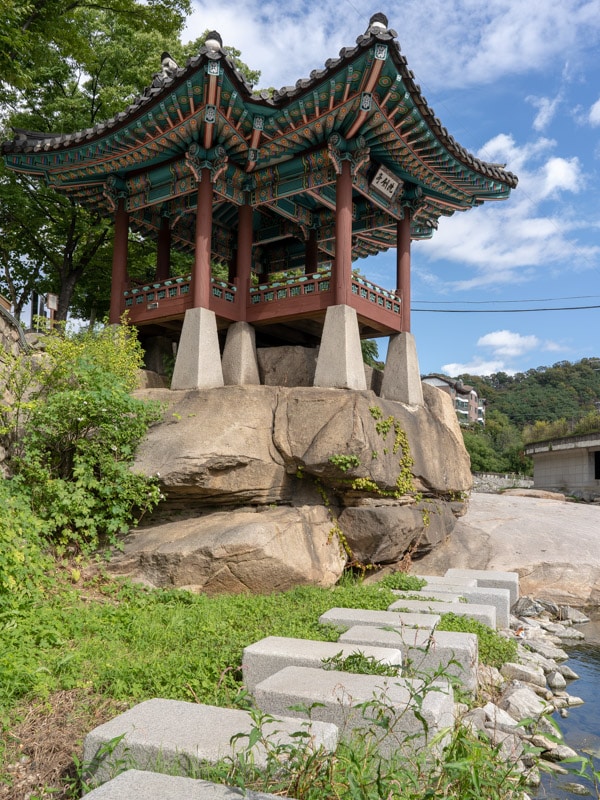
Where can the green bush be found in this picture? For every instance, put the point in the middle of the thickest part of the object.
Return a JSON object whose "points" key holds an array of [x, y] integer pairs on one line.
{"points": [[72, 430], [22, 560]]}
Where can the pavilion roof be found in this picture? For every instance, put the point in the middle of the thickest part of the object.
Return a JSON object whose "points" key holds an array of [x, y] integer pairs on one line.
{"points": [[278, 151]]}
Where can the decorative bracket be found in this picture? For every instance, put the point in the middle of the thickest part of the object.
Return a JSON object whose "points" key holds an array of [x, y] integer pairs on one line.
{"points": [[355, 151], [412, 198], [115, 189], [215, 159]]}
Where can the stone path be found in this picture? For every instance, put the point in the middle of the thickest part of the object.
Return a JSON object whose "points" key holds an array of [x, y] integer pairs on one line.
{"points": [[130, 753]]}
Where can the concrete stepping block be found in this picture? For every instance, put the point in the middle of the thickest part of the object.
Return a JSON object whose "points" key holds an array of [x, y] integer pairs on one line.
{"points": [[162, 735], [425, 651], [344, 618], [485, 614], [137, 785], [273, 653], [485, 596], [442, 580], [491, 579], [335, 697]]}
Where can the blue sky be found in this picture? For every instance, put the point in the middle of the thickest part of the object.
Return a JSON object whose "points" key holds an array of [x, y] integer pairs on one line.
{"points": [[516, 82]]}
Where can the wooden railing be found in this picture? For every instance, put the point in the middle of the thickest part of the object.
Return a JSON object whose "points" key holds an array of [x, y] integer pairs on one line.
{"points": [[151, 294], [288, 289], [376, 295], [301, 295]]}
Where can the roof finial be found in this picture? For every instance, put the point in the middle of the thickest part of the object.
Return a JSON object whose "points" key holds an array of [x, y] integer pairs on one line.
{"points": [[378, 23], [168, 65], [213, 41]]}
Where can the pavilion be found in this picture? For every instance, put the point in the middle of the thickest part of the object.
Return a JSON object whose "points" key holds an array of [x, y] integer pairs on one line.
{"points": [[285, 191]]}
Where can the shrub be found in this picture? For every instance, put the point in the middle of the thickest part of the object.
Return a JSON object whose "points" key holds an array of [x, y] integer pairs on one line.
{"points": [[22, 560], [77, 427]]}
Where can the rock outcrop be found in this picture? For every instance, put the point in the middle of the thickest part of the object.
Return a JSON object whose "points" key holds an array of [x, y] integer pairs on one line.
{"points": [[256, 478]]}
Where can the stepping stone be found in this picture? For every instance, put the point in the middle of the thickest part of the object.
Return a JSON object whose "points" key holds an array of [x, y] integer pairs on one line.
{"points": [[344, 618], [424, 651], [490, 579], [354, 702], [269, 655], [485, 614], [442, 580], [499, 598], [163, 735], [137, 785]]}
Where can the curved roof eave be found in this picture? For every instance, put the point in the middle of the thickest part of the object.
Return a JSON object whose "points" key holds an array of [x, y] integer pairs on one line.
{"points": [[31, 142]]}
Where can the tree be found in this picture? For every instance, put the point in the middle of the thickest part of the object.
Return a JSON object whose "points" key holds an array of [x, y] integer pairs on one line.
{"points": [[67, 76], [48, 242]]}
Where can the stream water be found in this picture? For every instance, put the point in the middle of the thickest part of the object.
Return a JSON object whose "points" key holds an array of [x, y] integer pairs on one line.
{"points": [[581, 728]]}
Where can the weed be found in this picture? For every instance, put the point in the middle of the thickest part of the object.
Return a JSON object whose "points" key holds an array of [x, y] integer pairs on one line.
{"points": [[359, 663]]}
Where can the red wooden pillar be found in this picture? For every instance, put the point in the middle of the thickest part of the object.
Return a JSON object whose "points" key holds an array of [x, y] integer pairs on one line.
{"points": [[163, 252], [312, 252], [342, 267], [244, 257], [119, 262], [202, 240], [403, 267]]}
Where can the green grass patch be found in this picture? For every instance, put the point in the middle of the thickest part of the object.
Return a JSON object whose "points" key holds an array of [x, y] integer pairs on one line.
{"points": [[132, 643], [494, 649]]}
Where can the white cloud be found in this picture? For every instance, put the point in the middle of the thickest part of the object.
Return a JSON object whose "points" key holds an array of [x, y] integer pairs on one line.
{"points": [[594, 115], [561, 174], [477, 366], [467, 42], [505, 244], [505, 346], [546, 109], [507, 343]]}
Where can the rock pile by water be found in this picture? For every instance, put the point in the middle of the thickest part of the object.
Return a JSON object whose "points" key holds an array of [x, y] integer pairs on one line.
{"points": [[532, 689]]}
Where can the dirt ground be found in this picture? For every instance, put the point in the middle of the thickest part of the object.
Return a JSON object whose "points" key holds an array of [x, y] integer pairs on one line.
{"points": [[43, 749]]}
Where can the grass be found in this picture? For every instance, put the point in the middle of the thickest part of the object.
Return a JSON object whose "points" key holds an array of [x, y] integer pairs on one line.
{"points": [[83, 652]]}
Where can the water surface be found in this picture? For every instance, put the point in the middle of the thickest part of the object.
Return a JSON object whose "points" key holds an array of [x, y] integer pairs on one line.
{"points": [[581, 728]]}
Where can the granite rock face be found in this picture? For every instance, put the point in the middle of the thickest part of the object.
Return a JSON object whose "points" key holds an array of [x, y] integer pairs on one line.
{"points": [[236, 551], [305, 458]]}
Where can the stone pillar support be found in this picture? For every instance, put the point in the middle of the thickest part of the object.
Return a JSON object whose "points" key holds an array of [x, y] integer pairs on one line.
{"points": [[240, 362], [340, 364], [403, 266], [119, 261], [198, 363], [401, 377]]}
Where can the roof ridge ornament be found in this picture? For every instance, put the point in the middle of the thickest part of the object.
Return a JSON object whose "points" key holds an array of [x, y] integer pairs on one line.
{"points": [[213, 42], [378, 23]]}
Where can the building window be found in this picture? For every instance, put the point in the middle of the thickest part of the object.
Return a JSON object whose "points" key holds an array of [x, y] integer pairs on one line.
{"points": [[597, 464]]}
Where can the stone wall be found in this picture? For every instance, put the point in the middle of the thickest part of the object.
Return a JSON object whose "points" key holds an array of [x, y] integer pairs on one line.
{"points": [[12, 338], [497, 482]]}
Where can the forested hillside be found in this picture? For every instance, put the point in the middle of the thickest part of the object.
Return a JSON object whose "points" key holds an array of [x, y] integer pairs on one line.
{"points": [[541, 403]]}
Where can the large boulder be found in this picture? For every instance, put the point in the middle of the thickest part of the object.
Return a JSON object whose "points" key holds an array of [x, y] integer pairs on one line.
{"points": [[236, 551], [392, 476], [381, 532], [216, 447]]}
